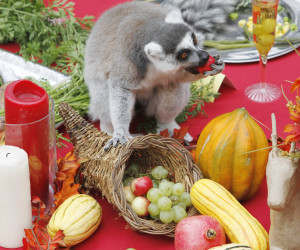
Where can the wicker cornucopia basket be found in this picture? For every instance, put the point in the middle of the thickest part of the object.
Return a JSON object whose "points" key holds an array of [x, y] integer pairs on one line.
{"points": [[104, 171]]}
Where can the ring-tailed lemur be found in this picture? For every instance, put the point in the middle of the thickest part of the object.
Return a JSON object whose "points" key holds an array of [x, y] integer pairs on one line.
{"points": [[141, 52]]}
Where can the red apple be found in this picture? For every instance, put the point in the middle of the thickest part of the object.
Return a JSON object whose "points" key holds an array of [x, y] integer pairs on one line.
{"points": [[199, 232], [140, 186], [140, 206], [207, 66], [128, 194]]}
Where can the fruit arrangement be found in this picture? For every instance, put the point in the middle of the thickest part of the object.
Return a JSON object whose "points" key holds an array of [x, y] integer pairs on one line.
{"points": [[126, 177], [158, 197]]}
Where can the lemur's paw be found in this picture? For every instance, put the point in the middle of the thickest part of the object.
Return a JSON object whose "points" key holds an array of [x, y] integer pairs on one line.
{"points": [[117, 139], [217, 67]]}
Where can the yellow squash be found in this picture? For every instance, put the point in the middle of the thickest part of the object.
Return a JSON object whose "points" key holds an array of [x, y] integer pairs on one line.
{"points": [[211, 198], [224, 153], [78, 216], [232, 246]]}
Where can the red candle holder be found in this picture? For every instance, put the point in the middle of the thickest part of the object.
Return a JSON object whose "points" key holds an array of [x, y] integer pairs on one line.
{"points": [[29, 124]]}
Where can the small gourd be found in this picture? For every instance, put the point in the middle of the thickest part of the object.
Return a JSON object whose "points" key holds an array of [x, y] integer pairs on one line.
{"points": [[231, 150], [232, 246], [78, 216]]}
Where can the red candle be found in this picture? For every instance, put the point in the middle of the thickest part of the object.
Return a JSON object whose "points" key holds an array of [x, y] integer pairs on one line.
{"points": [[27, 127]]}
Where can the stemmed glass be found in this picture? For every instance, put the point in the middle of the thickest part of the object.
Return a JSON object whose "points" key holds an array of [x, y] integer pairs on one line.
{"points": [[264, 14]]}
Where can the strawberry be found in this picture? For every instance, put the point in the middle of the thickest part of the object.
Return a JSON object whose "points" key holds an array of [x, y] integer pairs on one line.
{"points": [[207, 66]]}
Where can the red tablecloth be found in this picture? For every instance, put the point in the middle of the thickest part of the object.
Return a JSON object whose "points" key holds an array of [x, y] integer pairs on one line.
{"points": [[113, 232]]}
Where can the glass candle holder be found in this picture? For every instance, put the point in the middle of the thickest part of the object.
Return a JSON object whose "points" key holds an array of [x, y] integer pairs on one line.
{"points": [[38, 139]]}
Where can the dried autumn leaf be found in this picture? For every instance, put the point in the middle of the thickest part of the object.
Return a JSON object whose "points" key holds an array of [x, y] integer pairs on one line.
{"points": [[164, 133], [295, 85], [60, 176], [26, 245], [295, 130], [280, 144], [292, 128], [294, 116], [292, 138], [178, 134], [38, 211], [67, 167], [69, 188], [58, 238], [38, 238]]}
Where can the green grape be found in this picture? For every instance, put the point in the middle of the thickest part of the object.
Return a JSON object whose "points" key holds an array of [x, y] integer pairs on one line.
{"points": [[154, 217], [166, 188], [153, 209], [127, 181], [154, 194], [164, 203], [179, 213], [166, 216], [164, 180], [178, 189], [133, 170], [185, 198], [182, 204], [155, 185], [174, 199], [159, 172]]}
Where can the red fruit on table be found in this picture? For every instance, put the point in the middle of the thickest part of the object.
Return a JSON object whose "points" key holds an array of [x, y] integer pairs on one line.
{"points": [[140, 186], [199, 232], [207, 66]]}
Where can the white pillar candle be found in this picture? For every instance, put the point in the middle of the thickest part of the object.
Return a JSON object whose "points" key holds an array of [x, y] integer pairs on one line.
{"points": [[15, 198]]}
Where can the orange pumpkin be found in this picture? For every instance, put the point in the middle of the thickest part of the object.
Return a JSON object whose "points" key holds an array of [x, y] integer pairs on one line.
{"points": [[224, 153]]}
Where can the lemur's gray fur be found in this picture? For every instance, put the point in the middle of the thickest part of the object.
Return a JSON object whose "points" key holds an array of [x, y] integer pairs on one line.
{"points": [[141, 52]]}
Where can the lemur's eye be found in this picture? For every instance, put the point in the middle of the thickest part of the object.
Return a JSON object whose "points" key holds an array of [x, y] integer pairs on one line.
{"points": [[194, 39], [183, 54]]}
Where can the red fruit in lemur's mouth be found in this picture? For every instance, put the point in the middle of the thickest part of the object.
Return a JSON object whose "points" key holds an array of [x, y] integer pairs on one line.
{"points": [[207, 66]]}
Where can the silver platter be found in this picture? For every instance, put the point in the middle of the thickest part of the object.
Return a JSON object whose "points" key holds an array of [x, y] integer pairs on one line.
{"points": [[246, 55]]}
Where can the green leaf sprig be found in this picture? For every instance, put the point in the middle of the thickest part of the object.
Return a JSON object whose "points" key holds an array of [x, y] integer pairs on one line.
{"points": [[199, 96], [53, 36]]}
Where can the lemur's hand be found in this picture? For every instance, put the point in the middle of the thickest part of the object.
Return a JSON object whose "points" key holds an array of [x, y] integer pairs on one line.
{"points": [[217, 67], [116, 139]]}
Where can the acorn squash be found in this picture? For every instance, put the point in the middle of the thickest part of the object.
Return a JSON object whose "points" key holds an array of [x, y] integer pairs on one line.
{"points": [[231, 150], [78, 217]]}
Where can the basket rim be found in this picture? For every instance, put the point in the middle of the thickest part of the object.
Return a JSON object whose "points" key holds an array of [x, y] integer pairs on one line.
{"points": [[144, 142]]}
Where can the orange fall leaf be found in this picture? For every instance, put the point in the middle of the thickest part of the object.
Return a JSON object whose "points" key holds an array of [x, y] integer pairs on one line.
{"points": [[178, 134], [69, 188]]}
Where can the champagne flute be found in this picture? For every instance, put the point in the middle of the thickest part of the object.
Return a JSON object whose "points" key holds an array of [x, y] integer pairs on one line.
{"points": [[264, 13]]}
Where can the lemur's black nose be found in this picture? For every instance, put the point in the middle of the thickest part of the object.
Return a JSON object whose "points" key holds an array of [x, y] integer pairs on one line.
{"points": [[203, 58]]}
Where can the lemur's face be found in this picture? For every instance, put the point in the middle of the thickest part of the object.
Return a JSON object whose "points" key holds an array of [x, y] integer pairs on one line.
{"points": [[187, 55]]}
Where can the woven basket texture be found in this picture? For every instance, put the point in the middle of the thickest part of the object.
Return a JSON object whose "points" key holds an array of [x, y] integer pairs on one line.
{"points": [[104, 170]]}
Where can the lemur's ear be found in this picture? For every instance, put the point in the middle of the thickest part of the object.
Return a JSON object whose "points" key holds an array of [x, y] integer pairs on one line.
{"points": [[174, 17], [154, 50]]}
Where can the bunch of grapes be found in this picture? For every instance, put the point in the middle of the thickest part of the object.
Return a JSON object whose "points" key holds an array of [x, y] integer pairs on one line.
{"points": [[169, 200]]}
